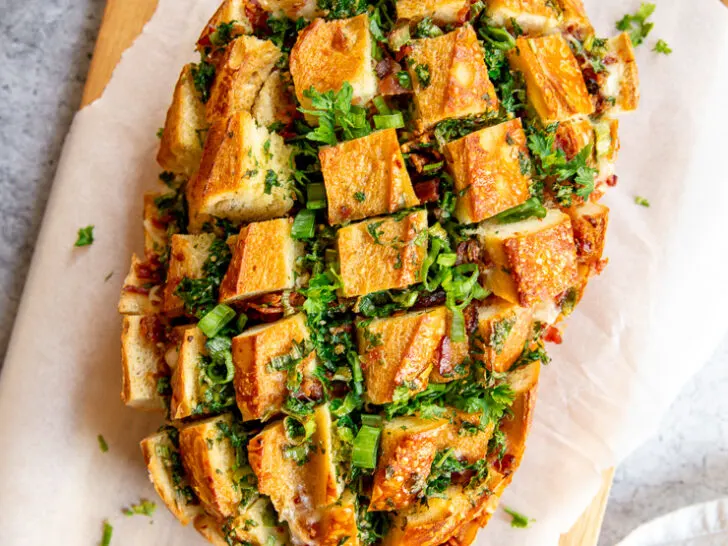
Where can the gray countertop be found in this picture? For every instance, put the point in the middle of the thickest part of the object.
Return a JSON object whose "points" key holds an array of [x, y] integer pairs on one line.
{"points": [[44, 57]]}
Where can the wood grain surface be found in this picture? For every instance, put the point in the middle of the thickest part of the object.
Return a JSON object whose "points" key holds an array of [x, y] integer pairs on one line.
{"points": [[123, 21]]}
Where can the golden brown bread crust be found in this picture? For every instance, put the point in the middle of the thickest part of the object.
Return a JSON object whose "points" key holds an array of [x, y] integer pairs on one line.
{"points": [[574, 18], [339, 523], [137, 297], [245, 66], [186, 376], [142, 361], [554, 82], [533, 16], [181, 147], [209, 458], [230, 11], [621, 81], [186, 260], [442, 11], [382, 254], [260, 391], [263, 261], [241, 177], [399, 352], [381, 185], [504, 329], [590, 223], [459, 84], [486, 167], [534, 260], [347, 44]]}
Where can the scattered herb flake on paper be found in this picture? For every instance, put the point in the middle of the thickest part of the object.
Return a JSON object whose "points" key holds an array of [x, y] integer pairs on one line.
{"points": [[103, 446], [143, 508], [85, 236], [636, 25], [106, 536], [662, 47], [518, 520], [642, 201]]}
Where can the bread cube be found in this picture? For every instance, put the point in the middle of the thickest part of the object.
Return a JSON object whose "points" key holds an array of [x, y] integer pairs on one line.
{"points": [[183, 136], [398, 353], [210, 459], [275, 102], [230, 12], [408, 447], [247, 63], [244, 175], [142, 360], [459, 84], [382, 254], [263, 261], [293, 9], [431, 523], [442, 11], [381, 185], [260, 391], [554, 82], [298, 491], [589, 222], [488, 172], [574, 19], [188, 384], [256, 525], [532, 16], [164, 463], [533, 260], [504, 329], [466, 436], [187, 258], [330, 53], [142, 291], [339, 523], [621, 83]]}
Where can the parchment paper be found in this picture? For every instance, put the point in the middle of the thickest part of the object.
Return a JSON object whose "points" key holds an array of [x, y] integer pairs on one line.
{"points": [[646, 325]]}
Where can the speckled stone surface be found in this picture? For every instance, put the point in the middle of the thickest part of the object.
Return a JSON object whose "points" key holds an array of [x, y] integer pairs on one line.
{"points": [[44, 58]]}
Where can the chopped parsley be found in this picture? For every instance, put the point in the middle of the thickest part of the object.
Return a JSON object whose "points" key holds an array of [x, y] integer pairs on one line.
{"points": [[423, 75], [404, 79], [500, 331], [85, 236], [200, 295], [641, 201], [360, 196], [271, 181], [662, 47], [637, 25], [143, 508], [203, 74], [103, 446], [375, 232], [338, 118], [427, 29], [518, 520], [342, 9]]}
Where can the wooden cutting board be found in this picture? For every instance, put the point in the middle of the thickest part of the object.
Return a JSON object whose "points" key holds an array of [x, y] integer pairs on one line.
{"points": [[123, 21]]}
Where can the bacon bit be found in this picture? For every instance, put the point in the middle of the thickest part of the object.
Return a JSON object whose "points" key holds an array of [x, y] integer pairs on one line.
{"points": [[471, 318], [149, 272], [390, 86], [418, 162], [131, 289], [468, 252], [427, 192], [403, 52], [152, 329], [257, 16], [609, 59], [445, 365], [505, 465], [553, 335], [204, 40], [612, 181], [387, 66], [432, 299]]}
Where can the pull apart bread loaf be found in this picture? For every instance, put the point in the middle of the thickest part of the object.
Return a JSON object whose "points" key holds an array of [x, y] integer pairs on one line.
{"points": [[375, 215]]}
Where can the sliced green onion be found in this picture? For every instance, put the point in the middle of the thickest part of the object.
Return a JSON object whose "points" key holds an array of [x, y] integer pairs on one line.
{"points": [[298, 430], [344, 406], [389, 121], [479, 293], [528, 209], [366, 445], [241, 322], [304, 226], [433, 167], [215, 320], [499, 38], [315, 196], [222, 358], [106, 537], [381, 105], [372, 420], [435, 246], [357, 374], [406, 299], [447, 260], [457, 326]]}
